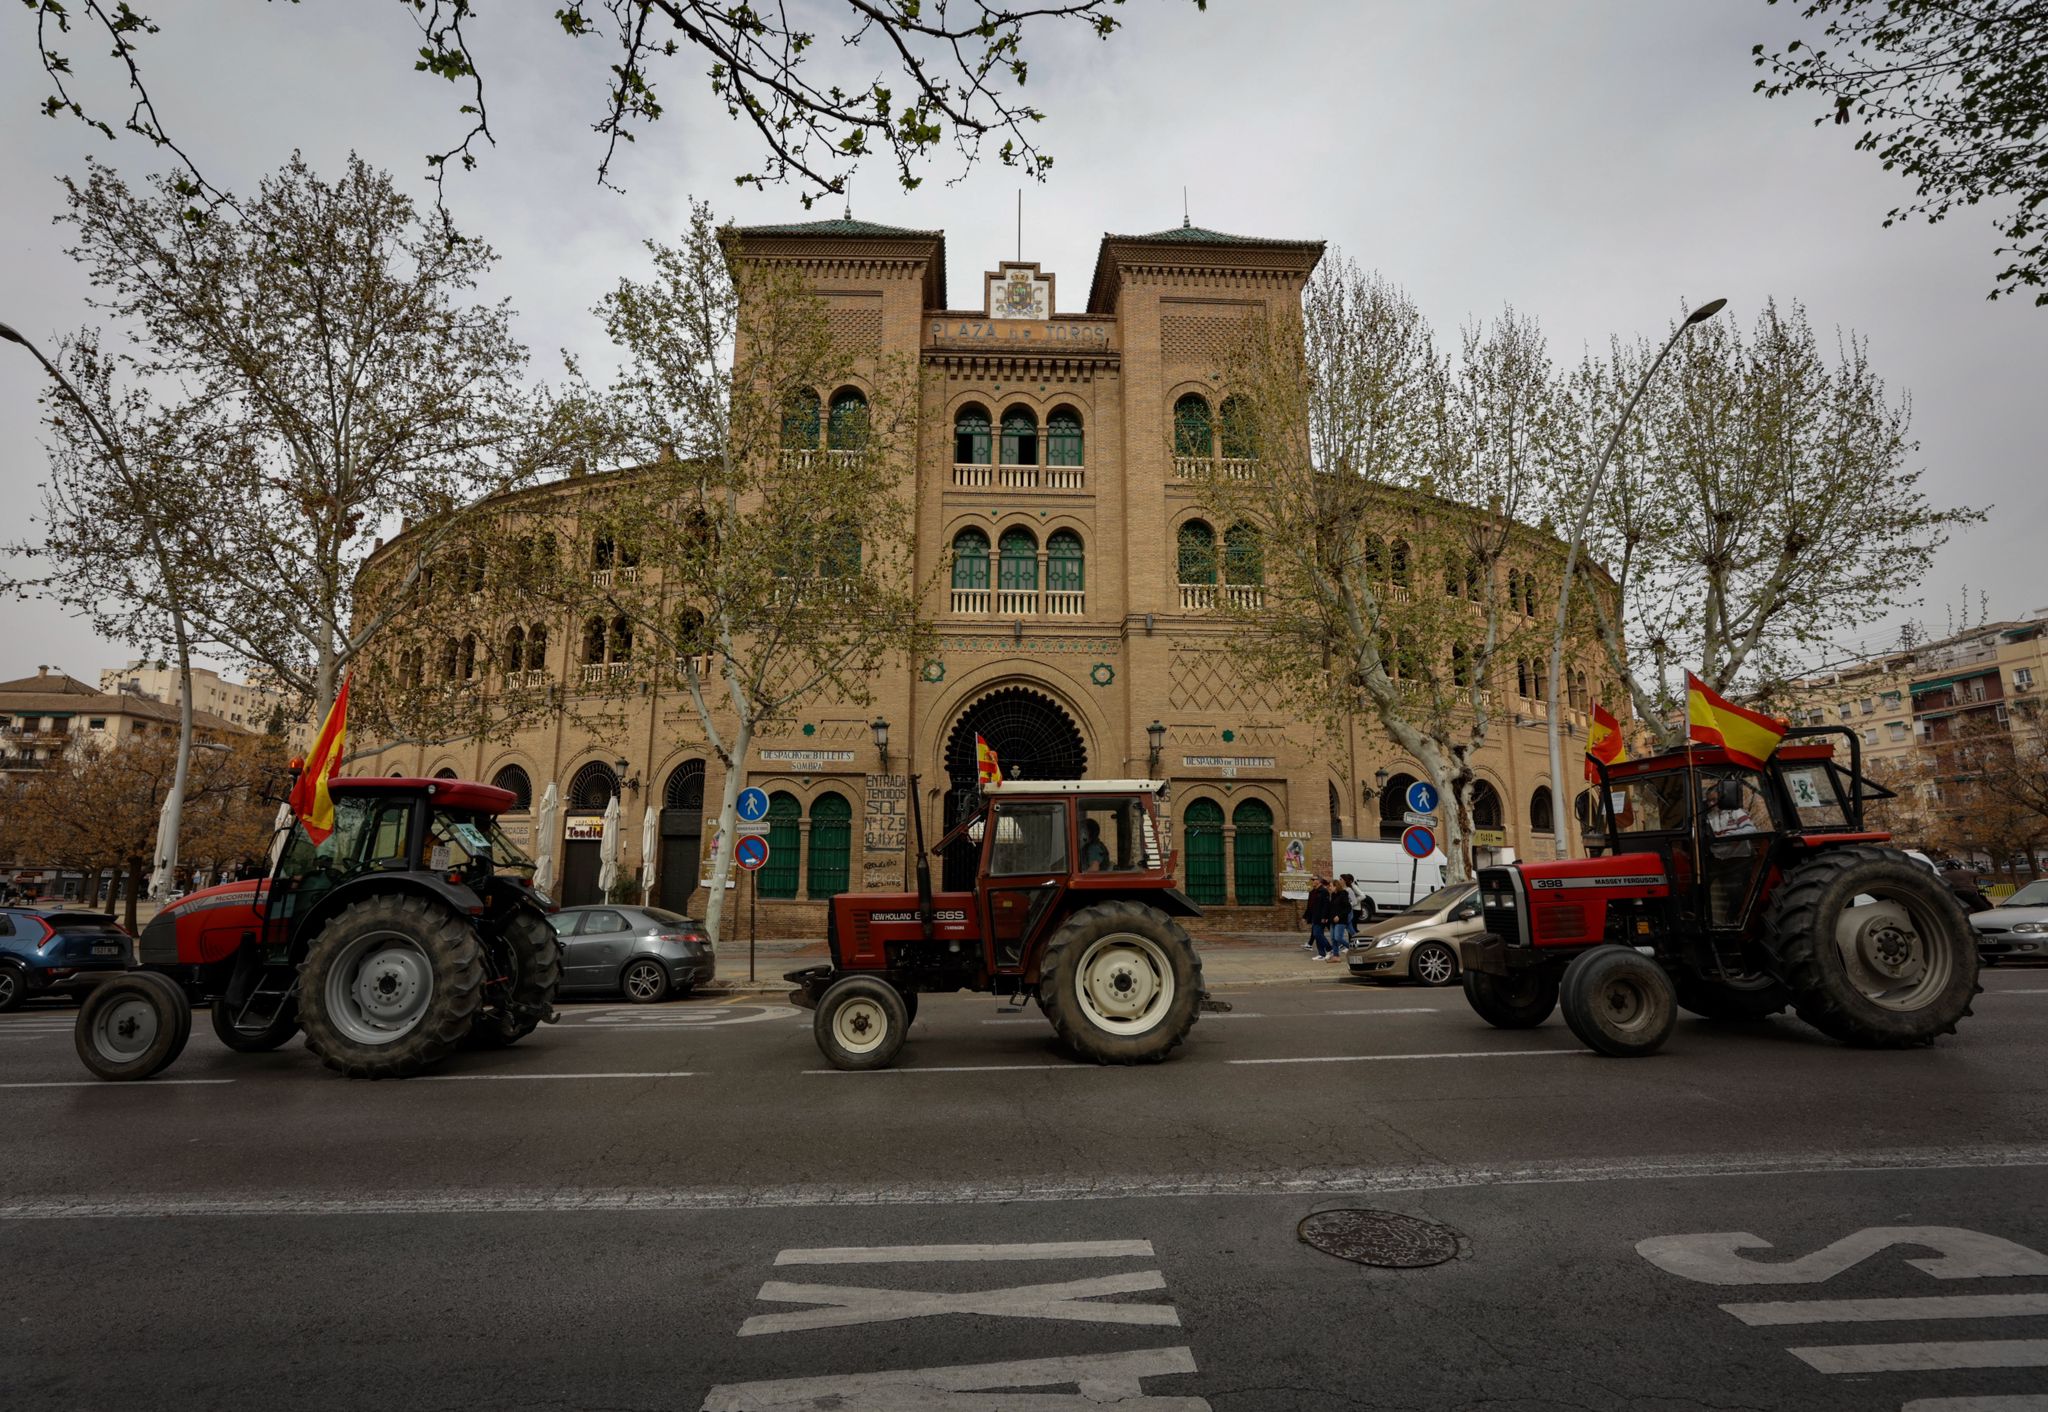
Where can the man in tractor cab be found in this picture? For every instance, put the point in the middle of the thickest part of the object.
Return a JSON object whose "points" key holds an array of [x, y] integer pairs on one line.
{"points": [[1731, 805]]}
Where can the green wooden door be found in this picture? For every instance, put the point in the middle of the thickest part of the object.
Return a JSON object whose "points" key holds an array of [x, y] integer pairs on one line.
{"points": [[1205, 853], [831, 844], [778, 875], [1254, 853]]}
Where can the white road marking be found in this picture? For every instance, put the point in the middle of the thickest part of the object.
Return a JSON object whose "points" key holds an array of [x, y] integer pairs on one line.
{"points": [[1388, 1058], [934, 1254], [495, 1078], [1871, 1311], [684, 1019], [2013, 1402], [132, 1086], [964, 1069], [1101, 1379], [1925, 1357], [1391, 1010], [1364, 1181], [1992, 990], [1042, 1023], [1965, 1255], [861, 1304]]}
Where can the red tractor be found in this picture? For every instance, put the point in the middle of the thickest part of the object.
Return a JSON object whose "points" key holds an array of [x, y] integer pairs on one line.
{"points": [[1074, 905], [411, 929], [1731, 892]]}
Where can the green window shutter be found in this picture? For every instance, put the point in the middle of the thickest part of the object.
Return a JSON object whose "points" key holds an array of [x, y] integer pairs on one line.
{"points": [[1018, 560], [1244, 556], [777, 877], [972, 443], [970, 559], [1205, 853], [1197, 553], [847, 430], [1254, 860], [1063, 438], [831, 845], [800, 421], [1063, 562], [1192, 428], [1020, 437]]}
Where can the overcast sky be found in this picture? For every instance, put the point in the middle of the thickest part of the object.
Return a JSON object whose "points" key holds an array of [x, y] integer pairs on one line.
{"points": [[1598, 165]]}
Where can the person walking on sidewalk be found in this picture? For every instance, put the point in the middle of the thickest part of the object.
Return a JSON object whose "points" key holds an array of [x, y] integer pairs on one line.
{"points": [[1317, 913]]}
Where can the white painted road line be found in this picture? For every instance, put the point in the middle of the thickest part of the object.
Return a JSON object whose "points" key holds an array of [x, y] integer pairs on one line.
{"points": [[1390, 1010], [2011, 1402], [1065, 1300], [1870, 1311], [1104, 1379], [1390, 1058], [1041, 1021], [103, 1083], [1925, 1357], [492, 1078], [1077, 1068], [1993, 990], [1029, 1250]]}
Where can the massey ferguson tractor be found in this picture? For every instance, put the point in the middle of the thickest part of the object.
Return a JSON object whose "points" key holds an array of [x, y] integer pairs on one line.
{"points": [[1731, 892], [411, 929], [1074, 906]]}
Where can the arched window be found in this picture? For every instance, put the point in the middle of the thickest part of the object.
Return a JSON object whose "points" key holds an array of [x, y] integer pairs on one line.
{"points": [[1514, 590], [1193, 433], [412, 667], [685, 787], [446, 772], [1397, 562], [1522, 677], [1063, 438], [518, 784], [1461, 665], [972, 444], [842, 554], [1529, 594], [1254, 853], [593, 640], [848, 428], [1017, 560], [800, 420], [1244, 555], [1336, 812], [1375, 554], [622, 640], [593, 786], [469, 656], [1020, 437], [515, 648], [1394, 804], [970, 559], [777, 877], [1197, 552], [692, 638], [451, 658], [1063, 562], [1486, 806], [1240, 435], [1206, 885], [536, 647], [831, 845], [1542, 818], [604, 551]]}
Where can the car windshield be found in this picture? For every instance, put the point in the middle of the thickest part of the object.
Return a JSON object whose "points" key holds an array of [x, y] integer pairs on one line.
{"points": [[1443, 899], [2034, 894]]}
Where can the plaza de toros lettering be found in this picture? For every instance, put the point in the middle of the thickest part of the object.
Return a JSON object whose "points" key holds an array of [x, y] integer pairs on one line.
{"points": [[1065, 337]]}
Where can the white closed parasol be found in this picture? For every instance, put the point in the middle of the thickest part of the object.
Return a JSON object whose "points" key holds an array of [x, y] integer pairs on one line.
{"points": [[647, 845], [608, 851], [544, 842]]}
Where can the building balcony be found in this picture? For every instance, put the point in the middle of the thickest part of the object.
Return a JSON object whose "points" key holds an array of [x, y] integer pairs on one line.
{"points": [[601, 673], [1065, 602], [969, 476], [623, 573], [1016, 602], [814, 459], [1206, 467], [1201, 597], [530, 678]]}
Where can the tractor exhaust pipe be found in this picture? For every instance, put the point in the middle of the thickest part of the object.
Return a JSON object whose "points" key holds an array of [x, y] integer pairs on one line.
{"points": [[924, 862]]}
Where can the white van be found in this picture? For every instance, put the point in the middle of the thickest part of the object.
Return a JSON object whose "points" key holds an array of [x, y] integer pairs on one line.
{"points": [[1385, 874]]}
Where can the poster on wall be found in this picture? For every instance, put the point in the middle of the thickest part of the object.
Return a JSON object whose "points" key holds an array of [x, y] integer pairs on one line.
{"points": [[1294, 854], [885, 832]]}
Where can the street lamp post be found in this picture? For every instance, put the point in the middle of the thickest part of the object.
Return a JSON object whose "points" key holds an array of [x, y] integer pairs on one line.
{"points": [[1155, 741], [880, 726], [1561, 829]]}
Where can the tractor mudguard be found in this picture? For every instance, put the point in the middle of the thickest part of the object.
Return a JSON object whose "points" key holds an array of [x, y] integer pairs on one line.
{"points": [[810, 983], [457, 898]]}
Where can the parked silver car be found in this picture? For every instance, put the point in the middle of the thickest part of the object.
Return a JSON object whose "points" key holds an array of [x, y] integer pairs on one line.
{"points": [[645, 953], [1420, 943], [2016, 927]]}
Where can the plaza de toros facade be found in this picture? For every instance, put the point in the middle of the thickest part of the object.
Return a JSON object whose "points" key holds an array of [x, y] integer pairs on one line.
{"points": [[1057, 501]]}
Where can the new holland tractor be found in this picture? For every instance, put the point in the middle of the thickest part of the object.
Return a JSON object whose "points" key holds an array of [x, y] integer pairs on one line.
{"points": [[413, 928], [1734, 893], [1074, 906]]}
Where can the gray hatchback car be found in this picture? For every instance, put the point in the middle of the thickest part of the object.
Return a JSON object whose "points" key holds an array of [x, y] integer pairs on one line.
{"points": [[645, 953]]}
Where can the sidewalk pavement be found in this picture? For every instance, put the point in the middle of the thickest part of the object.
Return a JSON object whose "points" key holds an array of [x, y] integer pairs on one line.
{"points": [[1229, 960]]}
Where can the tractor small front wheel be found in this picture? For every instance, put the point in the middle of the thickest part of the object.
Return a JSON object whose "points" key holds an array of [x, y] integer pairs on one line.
{"points": [[258, 1039], [132, 1026], [1520, 1001], [860, 1023], [1618, 1002]]}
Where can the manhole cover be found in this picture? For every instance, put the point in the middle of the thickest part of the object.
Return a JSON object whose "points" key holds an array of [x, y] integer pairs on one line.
{"points": [[1384, 1238]]}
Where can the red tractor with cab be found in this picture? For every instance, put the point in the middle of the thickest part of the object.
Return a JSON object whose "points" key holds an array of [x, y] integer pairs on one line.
{"points": [[1732, 892], [1074, 906], [411, 929]]}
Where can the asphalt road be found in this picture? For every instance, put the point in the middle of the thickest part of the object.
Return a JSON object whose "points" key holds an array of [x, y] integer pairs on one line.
{"points": [[680, 1207]]}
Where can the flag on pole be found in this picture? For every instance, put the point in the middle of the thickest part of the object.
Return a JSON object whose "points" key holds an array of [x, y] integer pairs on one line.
{"points": [[1748, 736], [1603, 742], [987, 769], [310, 800]]}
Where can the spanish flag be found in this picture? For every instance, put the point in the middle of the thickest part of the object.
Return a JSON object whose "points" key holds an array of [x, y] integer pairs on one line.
{"points": [[1748, 736], [1603, 742], [987, 769], [310, 799]]}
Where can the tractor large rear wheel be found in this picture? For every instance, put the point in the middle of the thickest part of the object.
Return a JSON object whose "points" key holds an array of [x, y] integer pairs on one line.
{"points": [[1121, 983], [390, 986], [534, 961], [1873, 947]]}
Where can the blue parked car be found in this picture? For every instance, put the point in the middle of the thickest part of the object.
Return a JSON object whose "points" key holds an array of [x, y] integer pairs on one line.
{"points": [[48, 949]]}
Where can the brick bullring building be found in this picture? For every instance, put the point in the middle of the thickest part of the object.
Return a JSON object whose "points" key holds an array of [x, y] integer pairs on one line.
{"points": [[1057, 496]]}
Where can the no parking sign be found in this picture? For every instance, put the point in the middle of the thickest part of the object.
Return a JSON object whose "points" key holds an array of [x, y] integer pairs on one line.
{"points": [[752, 852], [1418, 842]]}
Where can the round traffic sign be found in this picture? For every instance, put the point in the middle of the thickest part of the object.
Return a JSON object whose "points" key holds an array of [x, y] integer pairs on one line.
{"points": [[1418, 842], [1422, 797], [751, 852], [753, 804]]}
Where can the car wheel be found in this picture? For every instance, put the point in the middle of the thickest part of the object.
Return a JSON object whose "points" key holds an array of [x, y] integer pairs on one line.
{"points": [[1433, 964], [645, 982], [13, 986]]}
